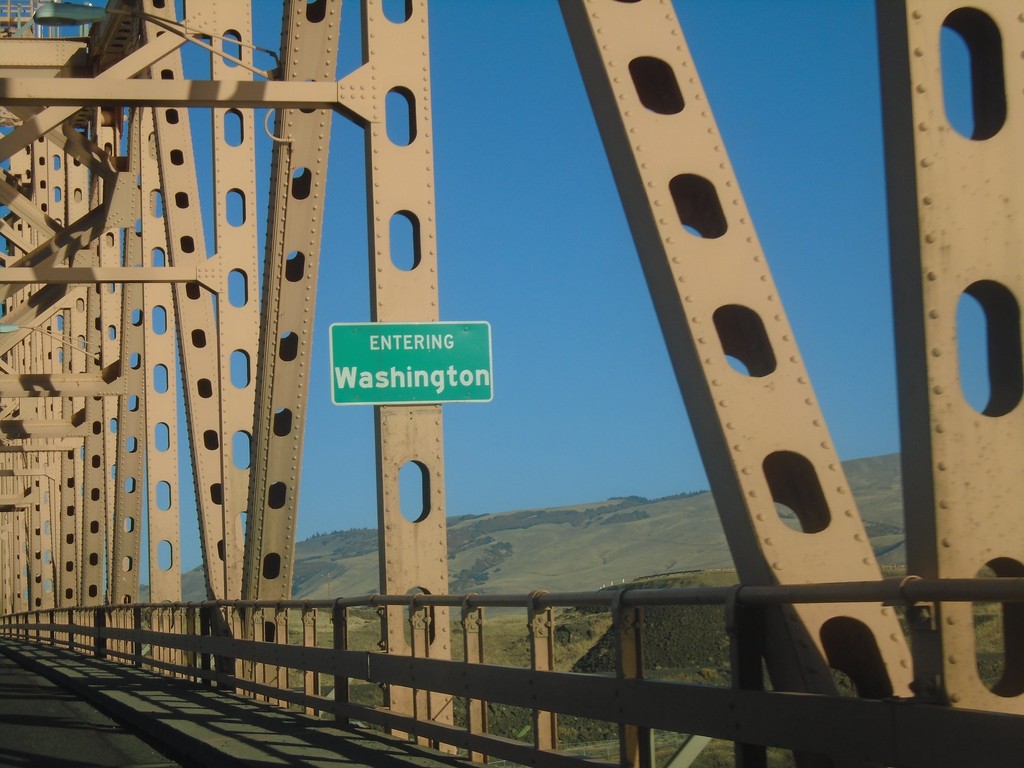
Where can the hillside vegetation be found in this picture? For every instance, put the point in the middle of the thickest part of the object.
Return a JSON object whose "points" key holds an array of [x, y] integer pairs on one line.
{"points": [[579, 547]]}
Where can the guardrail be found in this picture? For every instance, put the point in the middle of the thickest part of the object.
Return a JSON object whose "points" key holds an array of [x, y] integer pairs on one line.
{"points": [[304, 654]]}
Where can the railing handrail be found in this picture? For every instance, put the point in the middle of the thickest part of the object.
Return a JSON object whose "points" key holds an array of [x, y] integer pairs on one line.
{"points": [[213, 642], [893, 591]]}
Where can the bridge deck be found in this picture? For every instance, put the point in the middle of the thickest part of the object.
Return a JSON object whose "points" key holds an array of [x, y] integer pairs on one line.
{"points": [[203, 726], [43, 724]]}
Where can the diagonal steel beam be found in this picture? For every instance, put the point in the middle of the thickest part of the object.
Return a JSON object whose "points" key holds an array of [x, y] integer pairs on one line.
{"points": [[755, 416]]}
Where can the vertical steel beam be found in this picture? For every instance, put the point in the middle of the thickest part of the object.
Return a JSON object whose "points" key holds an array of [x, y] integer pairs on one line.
{"points": [[399, 169], [160, 438], [47, 486], [35, 540], [6, 558], [20, 560], [97, 303], [238, 311], [758, 425], [956, 233], [130, 431], [309, 51], [69, 511], [103, 305], [69, 514], [205, 392]]}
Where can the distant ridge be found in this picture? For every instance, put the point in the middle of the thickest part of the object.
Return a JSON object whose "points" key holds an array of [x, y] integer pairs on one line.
{"points": [[583, 546]]}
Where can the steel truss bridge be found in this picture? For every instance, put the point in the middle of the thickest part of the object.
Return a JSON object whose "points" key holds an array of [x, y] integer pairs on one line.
{"points": [[108, 288]]}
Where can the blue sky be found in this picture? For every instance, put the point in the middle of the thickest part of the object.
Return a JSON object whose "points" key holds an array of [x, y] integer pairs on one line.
{"points": [[532, 239]]}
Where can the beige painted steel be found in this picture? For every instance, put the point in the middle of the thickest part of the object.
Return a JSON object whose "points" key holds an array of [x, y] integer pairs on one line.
{"points": [[295, 220], [635, 744], [46, 579], [310, 679], [92, 555], [58, 275], [56, 385], [21, 205], [43, 58], [78, 92], [757, 422], [129, 474], [115, 137], [542, 657], [37, 567], [103, 309], [50, 117], [472, 619], [20, 561], [159, 362], [68, 531], [6, 562], [205, 392], [64, 245], [235, 243], [956, 229], [45, 345], [79, 363], [403, 288]]}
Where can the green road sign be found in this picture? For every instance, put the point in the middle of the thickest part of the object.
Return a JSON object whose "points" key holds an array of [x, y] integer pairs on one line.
{"points": [[406, 363]]}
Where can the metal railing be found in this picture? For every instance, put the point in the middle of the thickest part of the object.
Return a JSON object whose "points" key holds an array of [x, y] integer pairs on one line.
{"points": [[317, 656]]}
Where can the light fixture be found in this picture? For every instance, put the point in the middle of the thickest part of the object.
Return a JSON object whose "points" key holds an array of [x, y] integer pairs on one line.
{"points": [[70, 15], [67, 15]]}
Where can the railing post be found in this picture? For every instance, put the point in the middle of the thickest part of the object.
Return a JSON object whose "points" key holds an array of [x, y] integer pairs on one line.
{"points": [[281, 632], [339, 634], [179, 620], [635, 747], [542, 658], [189, 656], [99, 623], [137, 632], [419, 635], [473, 653], [157, 623], [745, 627], [227, 625], [213, 623], [310, 679], [205, 630], [258, 634]]}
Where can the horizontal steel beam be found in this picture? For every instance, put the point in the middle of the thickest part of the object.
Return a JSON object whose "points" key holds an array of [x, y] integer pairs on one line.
{"points": [[61, 385], [68, 444], [22, 429], [43, 57], [208, 278], [349, 94]]}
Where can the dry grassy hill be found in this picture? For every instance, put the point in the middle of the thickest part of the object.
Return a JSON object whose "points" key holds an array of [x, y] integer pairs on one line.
{"points": [[584, 546]]}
